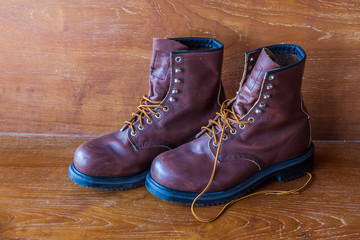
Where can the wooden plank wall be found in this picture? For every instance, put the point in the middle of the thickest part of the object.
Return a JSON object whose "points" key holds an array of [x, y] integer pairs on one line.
{"points": [[81, 66]]}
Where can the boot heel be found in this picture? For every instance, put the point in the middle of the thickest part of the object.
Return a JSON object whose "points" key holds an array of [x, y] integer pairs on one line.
{"points": [[296, 170]]}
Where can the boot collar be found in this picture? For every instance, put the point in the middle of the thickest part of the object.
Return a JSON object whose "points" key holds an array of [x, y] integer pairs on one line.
{"points": [[252, 56], [165, 52], [196, 44]]}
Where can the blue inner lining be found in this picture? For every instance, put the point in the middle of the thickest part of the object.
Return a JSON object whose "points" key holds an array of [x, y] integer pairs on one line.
{"points": [[288, 48], [199, 42]]}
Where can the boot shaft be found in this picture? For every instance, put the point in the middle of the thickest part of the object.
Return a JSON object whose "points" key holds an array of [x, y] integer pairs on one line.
{"points": [[195, 74], [280, 86], [280, 124], [190, 88]]}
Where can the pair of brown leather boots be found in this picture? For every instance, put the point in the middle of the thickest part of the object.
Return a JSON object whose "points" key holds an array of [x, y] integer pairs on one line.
{"points": [[171, 145]]}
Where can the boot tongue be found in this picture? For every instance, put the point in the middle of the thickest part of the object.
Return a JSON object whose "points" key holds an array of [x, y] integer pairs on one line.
{"points": [[250, 91], [160, 65]]}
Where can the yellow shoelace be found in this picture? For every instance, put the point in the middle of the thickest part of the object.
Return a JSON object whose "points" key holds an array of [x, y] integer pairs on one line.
{"points": [[224, 119], [146, 106], [227, 116]]}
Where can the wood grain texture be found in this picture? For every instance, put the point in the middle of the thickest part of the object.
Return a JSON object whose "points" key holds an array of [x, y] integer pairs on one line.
{"points": [[39, 201], [81, 67]]}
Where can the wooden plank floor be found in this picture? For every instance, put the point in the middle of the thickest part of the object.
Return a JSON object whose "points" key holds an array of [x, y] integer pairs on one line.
{"points": [[39, 201]]}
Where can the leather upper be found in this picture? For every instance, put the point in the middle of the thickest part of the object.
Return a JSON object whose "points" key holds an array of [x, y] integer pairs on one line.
{"points": [[185, 76], [280, 128]]}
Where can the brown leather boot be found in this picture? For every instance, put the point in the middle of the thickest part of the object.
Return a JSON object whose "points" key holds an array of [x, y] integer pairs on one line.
{"points": [[185, 91], [263, 132]]}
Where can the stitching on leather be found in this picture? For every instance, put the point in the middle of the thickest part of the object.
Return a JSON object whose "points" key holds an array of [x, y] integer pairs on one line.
{"points": [[299, 128], [219, 93], [252, 162], [308, 116], [150, 144], [166, 70], [249, 160], [258, 100], [130, 140], [156, 146], [242, 155], [255, 80], [288, 141], [244, 72], [211, 150]]}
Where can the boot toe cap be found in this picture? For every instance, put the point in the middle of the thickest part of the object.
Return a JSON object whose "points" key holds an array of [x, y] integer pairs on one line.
{"points": [[112, 155], [88, 158], [181, 170], [105, 156]]}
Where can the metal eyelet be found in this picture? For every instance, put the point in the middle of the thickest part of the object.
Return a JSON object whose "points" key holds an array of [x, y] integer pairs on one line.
{"points": [[266, 96], [148, 122], [215, 144], [174, 91], [166, 108], [233, 132], [241, 126], [251, 59], [172, 99], [269, 86], [176, 80], [178, 70], [225, 138], [258, 111], [133, 134], [178, 59], [158, 115], [251, 119], [140, 128], [262, 105], [271, 77]]}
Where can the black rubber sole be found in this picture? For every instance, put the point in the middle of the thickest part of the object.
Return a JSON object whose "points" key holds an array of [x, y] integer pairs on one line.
{"points": [[282, 171], [110, 183]]}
